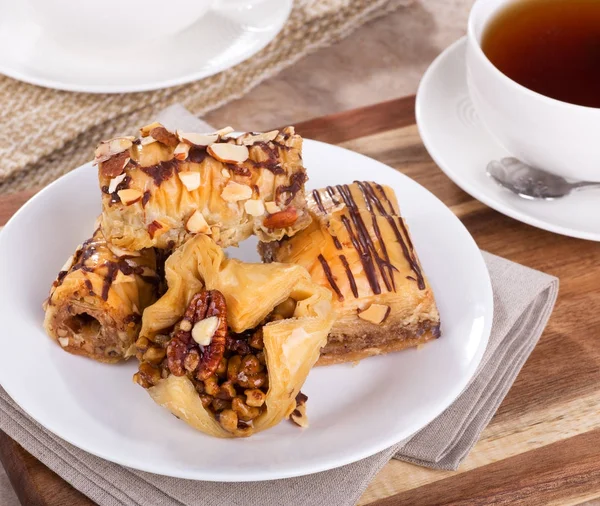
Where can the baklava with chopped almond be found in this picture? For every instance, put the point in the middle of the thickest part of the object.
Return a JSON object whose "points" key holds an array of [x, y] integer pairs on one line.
{"points": [[359, 247], [162, 188]]}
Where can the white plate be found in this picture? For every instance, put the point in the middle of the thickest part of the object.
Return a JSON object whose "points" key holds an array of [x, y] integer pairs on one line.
{"points": [[462, 147], [213, 44], [354, 412]]}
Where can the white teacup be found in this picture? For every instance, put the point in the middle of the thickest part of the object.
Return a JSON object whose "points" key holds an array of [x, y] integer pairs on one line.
{"points": [[555, 136], [122, 24]]}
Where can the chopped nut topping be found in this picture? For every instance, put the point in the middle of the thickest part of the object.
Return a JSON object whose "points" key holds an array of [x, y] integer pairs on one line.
{"points": [[115, 165], [228, 153], [236, 191], [282, 219], [197, 139], [299, 416], [68, 264], [225, 173], [191, 180], [272, 207], [249, 139], [204, 330], [129, 196], [64, 341], [144, 141], [107, 149], [197, 224], [114, 182], [181, 151], [185, 325], [254, 207], [224, 131], [162, 135], [375, 313], [145, 130]]}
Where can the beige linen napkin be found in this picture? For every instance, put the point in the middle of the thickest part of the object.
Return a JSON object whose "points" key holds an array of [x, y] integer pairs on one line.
{"points": [[523, 301]]}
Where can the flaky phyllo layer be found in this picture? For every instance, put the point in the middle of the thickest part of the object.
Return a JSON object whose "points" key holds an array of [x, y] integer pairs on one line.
{"points": [[96, 303], [229, 345], [162, 188]]}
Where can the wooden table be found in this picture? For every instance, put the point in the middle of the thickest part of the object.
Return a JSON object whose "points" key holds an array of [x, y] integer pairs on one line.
{"points": [[543, 445]]}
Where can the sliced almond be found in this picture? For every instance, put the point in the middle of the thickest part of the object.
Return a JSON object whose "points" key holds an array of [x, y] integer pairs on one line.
{"points": [[225, 173], [107, 149], [144, 141], [375, 313], [234, 192], [120, 252], [254, 207], [63, 341], [224, 131], [162, 135], [129, 196], [299, 416], [191, 180], [114, 182], [272, 207], [282, 219], [228, 153], [204, 330], [197, 139], [181, 151], [249, 138], [115, 165], [196, 224], [68, 264], [145, 130]]}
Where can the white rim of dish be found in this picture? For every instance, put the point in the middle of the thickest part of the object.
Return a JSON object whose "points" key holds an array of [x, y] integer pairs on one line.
{"points": [[305, 469], [134, 88], [460, 180]]}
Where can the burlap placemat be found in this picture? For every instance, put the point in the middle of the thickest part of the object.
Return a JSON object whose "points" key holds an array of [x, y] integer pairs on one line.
{"points": [[45, 133]]}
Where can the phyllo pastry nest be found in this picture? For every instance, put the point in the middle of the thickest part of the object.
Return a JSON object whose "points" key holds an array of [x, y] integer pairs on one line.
{"points": [[229, 345], [96, 303], [359, 247], [162, 188]]}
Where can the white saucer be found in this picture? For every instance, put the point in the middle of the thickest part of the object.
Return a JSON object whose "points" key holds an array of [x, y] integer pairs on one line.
{"points": [[460, 145], [213, 44]]}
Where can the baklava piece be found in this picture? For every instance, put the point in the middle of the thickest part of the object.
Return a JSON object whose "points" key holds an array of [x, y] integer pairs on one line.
{"points": [[359, 247], [230, 344], [164, 187], [96, 303]]}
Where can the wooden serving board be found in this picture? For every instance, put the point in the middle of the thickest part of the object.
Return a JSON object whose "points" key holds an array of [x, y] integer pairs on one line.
{"points": [[543, 445]]}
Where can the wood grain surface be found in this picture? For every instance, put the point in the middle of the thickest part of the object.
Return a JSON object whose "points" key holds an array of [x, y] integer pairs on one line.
{"points": [[543, 445]]}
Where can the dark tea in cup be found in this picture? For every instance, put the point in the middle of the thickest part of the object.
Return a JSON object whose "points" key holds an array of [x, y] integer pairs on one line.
{"points": [[549, 46]]}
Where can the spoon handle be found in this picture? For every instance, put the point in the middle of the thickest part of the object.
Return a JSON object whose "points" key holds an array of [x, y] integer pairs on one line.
{"points": [[585, 185]]}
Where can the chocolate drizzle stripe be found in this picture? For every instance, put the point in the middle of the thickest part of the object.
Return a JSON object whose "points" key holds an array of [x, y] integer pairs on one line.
{"points": [[317, 197], [336, 241], [331, 192], [329, 276], [112, 269], [367, 198], [407, 246], [382, 191], [90, 288], [361, 240], [350, 276]]}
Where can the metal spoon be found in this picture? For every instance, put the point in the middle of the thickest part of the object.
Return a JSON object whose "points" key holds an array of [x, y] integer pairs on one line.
{"points": [[531, 183]]}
